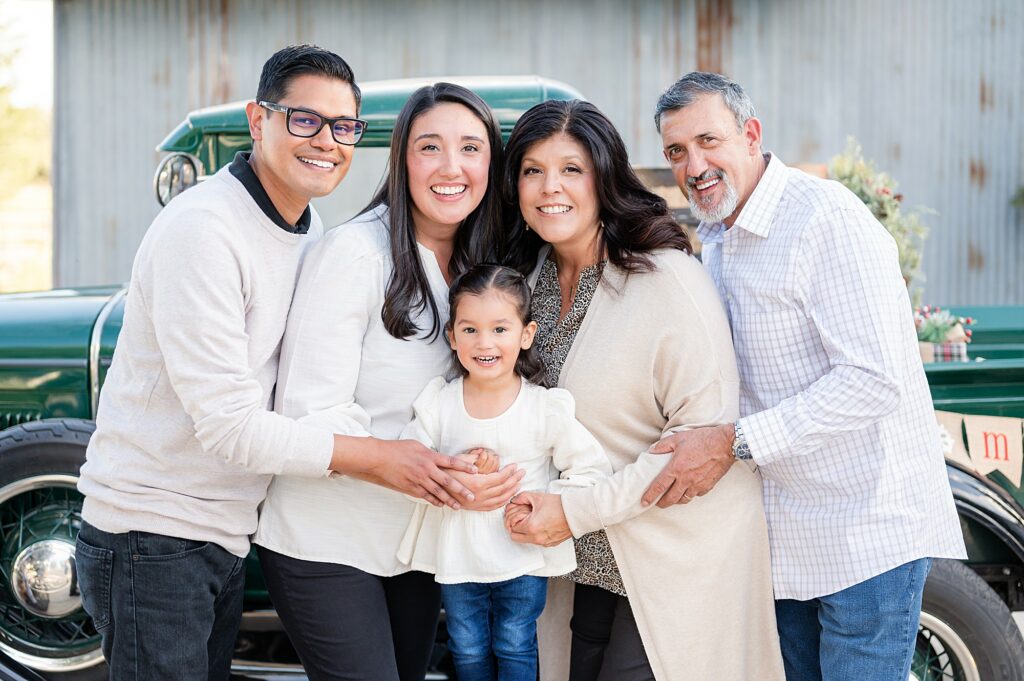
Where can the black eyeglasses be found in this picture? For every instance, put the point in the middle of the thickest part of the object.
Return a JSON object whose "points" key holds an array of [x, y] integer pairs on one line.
{"points": [[306, 123]]}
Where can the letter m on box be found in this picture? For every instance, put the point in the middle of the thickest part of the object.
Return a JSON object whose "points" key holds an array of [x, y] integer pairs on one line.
{"points": [[995, 444], [1000, 446]]}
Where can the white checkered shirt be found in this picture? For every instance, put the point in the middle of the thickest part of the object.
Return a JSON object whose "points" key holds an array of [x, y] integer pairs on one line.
{"points": [[834, 401]]}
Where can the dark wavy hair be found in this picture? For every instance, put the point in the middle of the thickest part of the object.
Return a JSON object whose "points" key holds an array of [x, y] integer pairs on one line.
{"points": [[408, 290], [635, 220], [476, 281]]}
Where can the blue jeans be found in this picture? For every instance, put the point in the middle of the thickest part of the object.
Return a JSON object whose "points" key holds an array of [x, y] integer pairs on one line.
{"points": [[866, 631], [495, 625], [167, 608]]}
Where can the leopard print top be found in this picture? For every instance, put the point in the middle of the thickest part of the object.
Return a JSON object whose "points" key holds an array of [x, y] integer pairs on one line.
{"points": [[595, 562]]}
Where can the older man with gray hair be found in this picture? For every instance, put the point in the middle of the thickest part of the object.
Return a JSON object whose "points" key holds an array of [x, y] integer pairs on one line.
{"points": [[835, 408]]}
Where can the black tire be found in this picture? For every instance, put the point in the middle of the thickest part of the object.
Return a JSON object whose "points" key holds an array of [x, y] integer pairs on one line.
{"points": [[33, 454], [967, 633]]}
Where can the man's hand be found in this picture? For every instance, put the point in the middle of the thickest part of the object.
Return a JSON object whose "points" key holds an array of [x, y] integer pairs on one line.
{"points": [[491, 491], [700, 458], [411, 468], [537, 518]]}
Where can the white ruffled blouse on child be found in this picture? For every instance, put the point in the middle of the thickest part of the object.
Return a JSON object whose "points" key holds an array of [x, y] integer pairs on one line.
{"points": [[539, 433]]}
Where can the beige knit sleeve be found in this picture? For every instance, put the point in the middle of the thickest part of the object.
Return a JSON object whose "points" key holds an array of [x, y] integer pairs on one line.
{"points": [[695, 383]]}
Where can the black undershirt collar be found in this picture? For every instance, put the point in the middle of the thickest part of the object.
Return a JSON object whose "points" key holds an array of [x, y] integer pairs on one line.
{"points": [[241, 169]]}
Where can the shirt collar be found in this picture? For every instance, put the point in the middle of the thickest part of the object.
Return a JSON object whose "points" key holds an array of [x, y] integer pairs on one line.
{"points": [[759, 210], [244, 173]]}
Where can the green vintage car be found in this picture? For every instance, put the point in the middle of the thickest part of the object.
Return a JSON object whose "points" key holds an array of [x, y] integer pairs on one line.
{"points": [[56, 346]]}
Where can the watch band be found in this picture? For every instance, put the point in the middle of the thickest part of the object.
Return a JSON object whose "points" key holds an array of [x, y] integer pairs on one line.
{"points": [[740, 448]]}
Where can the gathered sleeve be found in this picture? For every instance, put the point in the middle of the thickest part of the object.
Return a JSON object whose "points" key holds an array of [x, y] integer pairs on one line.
{"points": [[576, 453], [695, 384], [425, 426]]}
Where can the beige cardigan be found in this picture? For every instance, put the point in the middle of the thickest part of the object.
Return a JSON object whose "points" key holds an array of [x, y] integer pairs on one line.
{"points": [[654, 354]]}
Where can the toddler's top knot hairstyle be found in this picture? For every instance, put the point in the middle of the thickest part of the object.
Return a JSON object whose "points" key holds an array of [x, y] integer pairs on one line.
{"points": [[476, 281]]}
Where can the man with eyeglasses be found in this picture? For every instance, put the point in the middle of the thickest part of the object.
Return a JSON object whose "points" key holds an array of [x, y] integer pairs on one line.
{"points": [[185, 440]]}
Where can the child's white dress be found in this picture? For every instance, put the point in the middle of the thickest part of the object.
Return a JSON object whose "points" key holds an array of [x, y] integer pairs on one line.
{"points": [[538, 433]]}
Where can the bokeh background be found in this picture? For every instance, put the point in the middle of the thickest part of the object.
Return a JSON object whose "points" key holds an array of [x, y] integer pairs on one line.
{"points": [[931, 89]]}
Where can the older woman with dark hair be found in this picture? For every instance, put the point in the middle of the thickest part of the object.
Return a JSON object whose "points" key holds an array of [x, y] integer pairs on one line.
{"points": [[632, 326], [365, 335]]}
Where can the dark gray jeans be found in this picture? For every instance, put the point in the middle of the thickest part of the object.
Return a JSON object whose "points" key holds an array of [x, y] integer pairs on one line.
{"points": [[168, 608]]}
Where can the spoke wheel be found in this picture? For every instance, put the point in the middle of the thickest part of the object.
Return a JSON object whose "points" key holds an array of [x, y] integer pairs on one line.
{"points": [[42, 623], [967, 633], [940, 654]]}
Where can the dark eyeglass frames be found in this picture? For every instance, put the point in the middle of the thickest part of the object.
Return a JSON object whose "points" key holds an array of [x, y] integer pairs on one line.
{"points": [[306, 123]]}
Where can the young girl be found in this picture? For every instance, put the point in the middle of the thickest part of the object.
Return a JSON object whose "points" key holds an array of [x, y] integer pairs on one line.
{"points": [[494, 589]]}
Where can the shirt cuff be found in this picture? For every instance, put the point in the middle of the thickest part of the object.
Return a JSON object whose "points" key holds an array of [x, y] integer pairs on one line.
{"points": [[765, 433], [580, 508], [310, 456]]}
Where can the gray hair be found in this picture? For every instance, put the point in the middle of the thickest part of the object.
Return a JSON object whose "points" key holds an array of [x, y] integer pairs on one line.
{"points": [[687, 89]]}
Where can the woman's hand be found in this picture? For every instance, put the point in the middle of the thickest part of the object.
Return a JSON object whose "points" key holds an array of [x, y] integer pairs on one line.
{"points": [[409, 467], [537, 518], [492, 490]]}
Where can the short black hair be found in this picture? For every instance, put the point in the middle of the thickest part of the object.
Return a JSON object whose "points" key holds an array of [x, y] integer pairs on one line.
{"points": [[299, 60]]}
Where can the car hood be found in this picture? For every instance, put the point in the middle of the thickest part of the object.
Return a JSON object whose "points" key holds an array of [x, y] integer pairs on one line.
{"points": [[50, 324]]}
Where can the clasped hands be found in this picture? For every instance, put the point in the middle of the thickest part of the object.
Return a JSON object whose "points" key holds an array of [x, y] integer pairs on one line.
{"points": [[471, 480], [700, 458]]}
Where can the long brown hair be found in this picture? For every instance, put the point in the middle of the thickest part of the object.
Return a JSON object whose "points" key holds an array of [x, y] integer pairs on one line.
{"points": [[408, 290], [635, 220]]}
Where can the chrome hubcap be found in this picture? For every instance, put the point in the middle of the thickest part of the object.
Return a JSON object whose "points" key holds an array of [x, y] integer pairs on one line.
{"points": [[42, 623], [44, 580]]}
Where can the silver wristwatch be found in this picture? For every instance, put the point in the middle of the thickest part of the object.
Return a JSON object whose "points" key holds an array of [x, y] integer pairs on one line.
{"points": [[740, 448]]}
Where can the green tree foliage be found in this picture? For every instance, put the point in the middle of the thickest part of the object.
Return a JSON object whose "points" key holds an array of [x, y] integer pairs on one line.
{"points": [[878, 191], [24, 132]]}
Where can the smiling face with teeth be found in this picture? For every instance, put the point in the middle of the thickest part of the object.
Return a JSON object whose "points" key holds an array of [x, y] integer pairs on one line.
{"points": [[293, 169], [487, 335], [557, 194], [448, 159], [715, 161]]}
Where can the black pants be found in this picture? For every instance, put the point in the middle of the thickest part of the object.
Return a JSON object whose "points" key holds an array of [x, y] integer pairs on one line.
{"points": [[606, 644], [348, 625]]}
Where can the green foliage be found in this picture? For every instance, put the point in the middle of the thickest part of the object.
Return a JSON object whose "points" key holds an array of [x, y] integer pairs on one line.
{"points": [[24, 133], [935, 325], [878, 191], [1018, 198]]}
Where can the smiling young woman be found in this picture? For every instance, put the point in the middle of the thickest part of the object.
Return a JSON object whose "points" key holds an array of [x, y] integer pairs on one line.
{"points": [[364, 337]]}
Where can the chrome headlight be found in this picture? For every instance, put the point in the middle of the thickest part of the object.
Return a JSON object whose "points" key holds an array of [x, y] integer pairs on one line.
{"points": [[175, 174]]}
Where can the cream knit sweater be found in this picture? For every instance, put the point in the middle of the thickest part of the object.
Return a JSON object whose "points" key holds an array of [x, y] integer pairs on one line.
{"points": [[654, 355], [185, 443]]}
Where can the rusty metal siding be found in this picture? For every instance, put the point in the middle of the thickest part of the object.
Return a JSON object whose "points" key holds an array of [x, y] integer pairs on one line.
{"points": [[929, 87]]}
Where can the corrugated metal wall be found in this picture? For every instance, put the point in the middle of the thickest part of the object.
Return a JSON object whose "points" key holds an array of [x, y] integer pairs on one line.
{"points": [[929, 87]]}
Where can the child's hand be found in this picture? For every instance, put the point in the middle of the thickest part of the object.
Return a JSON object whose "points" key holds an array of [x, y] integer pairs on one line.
{"points": [[485, 460]]}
